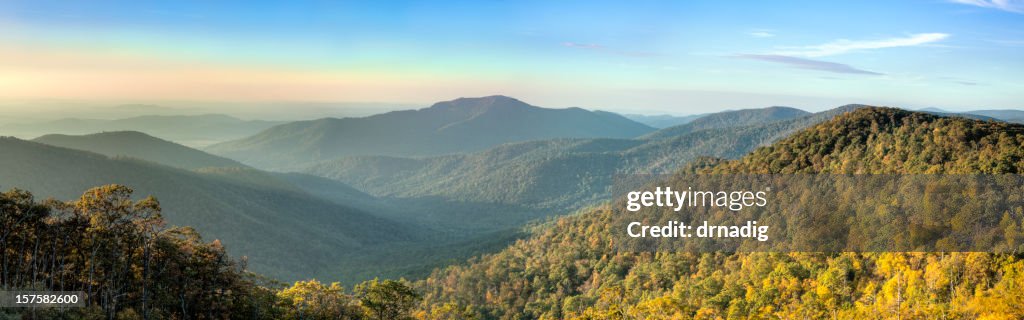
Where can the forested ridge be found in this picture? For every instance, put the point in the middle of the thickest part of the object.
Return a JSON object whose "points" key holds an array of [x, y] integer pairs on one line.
{"points": [[570, 269], [461, 204], [885, 140]]}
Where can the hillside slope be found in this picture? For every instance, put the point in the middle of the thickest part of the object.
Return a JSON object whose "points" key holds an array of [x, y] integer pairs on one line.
{"points": [[461, 125], [570, 269], [285, 233], [139, 145]]}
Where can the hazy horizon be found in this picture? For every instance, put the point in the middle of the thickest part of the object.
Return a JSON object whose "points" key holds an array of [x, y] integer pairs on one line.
{"points": [[41, 110]]}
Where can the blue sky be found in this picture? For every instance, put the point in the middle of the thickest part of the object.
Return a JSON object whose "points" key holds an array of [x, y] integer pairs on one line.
{"points": [[639, 56]]}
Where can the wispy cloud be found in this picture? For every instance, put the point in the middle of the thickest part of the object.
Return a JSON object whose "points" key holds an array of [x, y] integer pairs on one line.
{"points": [[762, 33], [843, 45], [605, 49], [960, 81], [1015, 6], [809, 64]]}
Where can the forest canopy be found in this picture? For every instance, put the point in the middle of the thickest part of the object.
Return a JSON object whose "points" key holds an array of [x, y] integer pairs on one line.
{"points": [[132, 266]]}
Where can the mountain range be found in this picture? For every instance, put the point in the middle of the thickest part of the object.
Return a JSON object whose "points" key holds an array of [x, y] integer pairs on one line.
{"points": [[502, 210], [460, 125], [431, 209], [561, 175], [190, 130], [459, 204]]}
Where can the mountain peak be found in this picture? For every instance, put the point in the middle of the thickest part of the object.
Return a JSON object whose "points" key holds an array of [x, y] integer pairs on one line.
{"points": [[478, 104]]}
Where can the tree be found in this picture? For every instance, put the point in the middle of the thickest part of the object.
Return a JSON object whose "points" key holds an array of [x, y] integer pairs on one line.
{"points": [[388, 299], [315, 301], [119, 253]]}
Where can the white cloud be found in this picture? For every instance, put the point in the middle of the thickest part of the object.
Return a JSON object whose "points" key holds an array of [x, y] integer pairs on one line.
{"points": [[762, 33], [1015, 6], [843, 45]]}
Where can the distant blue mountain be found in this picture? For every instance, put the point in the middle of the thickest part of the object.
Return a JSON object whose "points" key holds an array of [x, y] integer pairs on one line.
{"points": [[460, 125]]}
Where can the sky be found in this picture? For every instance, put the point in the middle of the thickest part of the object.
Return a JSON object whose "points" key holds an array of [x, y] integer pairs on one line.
{"points": [[675, 57]]}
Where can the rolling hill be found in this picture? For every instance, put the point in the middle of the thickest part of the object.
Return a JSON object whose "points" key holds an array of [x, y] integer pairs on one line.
{"points": [[190, 130], [571, 269], [461, 125], [727, 119], [139, 145], [286, 233], [560, 175]]}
